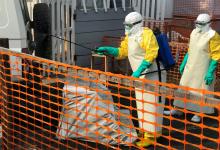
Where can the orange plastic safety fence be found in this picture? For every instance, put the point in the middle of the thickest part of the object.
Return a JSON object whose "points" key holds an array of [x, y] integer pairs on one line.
{"points": [[51, 105], [178, 50]]}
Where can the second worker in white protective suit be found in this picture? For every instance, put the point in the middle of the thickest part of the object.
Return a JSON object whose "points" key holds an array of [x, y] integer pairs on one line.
{"points": [[199, 65], [141, 48]]}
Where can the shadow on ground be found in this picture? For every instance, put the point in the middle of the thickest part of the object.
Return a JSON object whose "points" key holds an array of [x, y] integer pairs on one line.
{"points": [[33, 134]]}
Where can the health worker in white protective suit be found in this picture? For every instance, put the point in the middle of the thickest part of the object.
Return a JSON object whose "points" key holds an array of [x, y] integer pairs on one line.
{"points": [[141, 48], [199, 64]]}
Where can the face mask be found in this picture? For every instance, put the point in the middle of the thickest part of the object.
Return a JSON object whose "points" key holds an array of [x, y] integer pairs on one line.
{"points": [[130, 28], [202, 27], [127, 30]]}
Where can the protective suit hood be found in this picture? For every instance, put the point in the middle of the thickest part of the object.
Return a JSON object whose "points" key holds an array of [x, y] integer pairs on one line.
{"points": [[133, 23], [203, 23]]}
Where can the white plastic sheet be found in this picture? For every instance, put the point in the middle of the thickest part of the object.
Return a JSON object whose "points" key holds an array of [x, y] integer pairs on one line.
{"points": [[81, 119]]}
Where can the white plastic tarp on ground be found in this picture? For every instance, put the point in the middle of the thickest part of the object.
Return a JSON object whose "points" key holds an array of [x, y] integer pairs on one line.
{"points": [[90, 115]]}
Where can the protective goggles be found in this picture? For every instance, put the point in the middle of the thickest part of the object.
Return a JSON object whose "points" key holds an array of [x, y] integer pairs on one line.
{"points": [[127, 25], [202, 23]]}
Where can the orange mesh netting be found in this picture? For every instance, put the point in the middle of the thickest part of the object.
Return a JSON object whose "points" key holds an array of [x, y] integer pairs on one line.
{"points": [[51, 105]]}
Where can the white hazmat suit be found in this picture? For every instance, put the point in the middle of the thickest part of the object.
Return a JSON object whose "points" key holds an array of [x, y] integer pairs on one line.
{"points": [[141, 48]]}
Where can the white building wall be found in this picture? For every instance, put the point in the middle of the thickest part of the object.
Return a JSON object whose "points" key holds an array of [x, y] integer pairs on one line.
{"points": [[169, 9]]}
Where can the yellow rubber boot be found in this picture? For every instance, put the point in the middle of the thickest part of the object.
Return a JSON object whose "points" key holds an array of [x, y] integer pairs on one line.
{"points": [[146, 141]]}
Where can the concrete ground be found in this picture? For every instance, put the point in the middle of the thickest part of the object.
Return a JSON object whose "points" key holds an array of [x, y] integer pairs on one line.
{"points": [[42, 139], [42, 135], [173, 131]]}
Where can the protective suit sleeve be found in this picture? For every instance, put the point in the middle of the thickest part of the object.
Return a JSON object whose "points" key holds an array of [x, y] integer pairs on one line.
{"points": [[150, 45], [209, 77], [214, 46], [123, 48]]}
